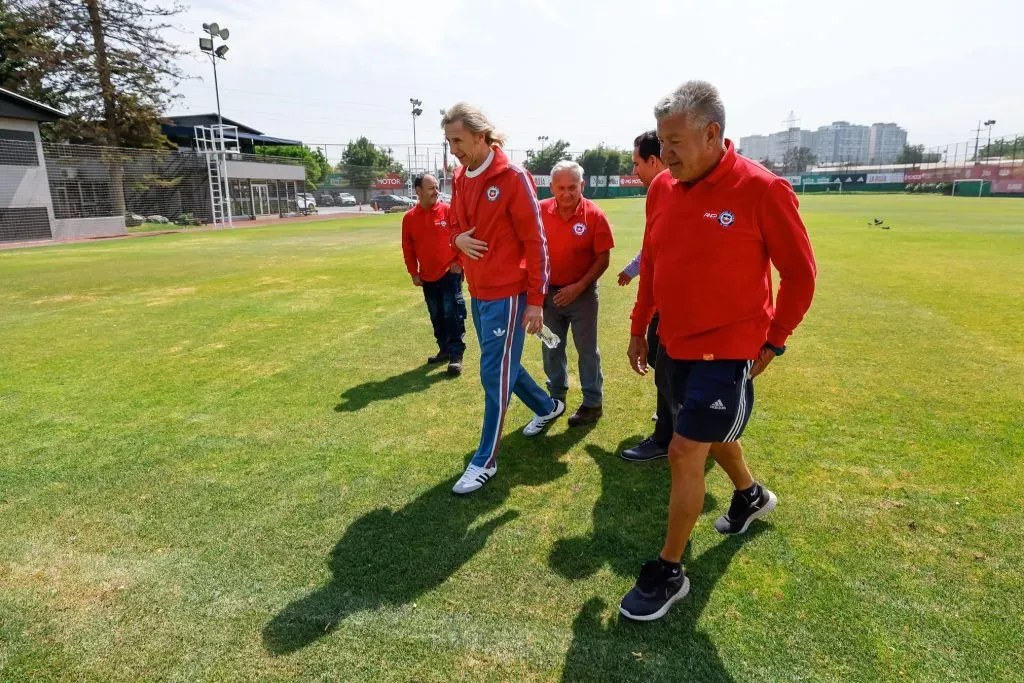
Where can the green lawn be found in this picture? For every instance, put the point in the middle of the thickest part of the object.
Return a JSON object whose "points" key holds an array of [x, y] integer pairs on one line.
{"points": [[221, 458]]}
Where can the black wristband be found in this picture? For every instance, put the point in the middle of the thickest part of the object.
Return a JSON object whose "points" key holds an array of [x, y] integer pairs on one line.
{"points": [[777, 350]]}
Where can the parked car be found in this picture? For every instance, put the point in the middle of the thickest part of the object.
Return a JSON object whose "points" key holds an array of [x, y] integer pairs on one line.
{"points": [[305, 202], [391, 202], [346, 199], [324, 199]]}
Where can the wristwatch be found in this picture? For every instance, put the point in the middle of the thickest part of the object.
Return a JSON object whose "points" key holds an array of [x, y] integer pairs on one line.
{"points": [[777, 350]]}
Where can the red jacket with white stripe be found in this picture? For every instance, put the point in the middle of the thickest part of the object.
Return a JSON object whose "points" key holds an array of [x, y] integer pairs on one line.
{"points": [[499, 199]]}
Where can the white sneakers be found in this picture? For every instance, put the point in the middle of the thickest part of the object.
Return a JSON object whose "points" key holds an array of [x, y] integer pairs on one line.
{"points": [[539, 422], [473, 478]]}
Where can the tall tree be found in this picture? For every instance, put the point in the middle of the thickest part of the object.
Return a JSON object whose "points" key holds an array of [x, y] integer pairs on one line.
{"points": [[363, 163], [605, 161], [1008, 147], [24, 52], [317, 166], [540, 163], [915, 154], [106, 63], [798, 159]]}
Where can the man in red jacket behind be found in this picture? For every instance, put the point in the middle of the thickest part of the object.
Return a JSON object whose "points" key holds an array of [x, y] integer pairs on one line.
{"points": [[499, 228], [716, 223], [433, 264]]}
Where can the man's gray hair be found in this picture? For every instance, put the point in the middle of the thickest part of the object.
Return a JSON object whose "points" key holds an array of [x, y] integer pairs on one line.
{"points": [[699, 99], [568, 165]]}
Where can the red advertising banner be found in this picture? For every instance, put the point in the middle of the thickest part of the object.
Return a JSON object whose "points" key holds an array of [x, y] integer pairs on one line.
{"points": [[979, 172], [392, 181], [630, 181], [1008, 186]]}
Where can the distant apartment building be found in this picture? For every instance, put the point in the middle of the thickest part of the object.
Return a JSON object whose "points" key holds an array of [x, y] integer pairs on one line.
{"points": [[756, 147], [794, 138], [885, 143], [837, 143], [841, 142]]}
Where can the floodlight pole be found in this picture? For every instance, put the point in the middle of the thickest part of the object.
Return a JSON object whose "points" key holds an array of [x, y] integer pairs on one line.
{"points": [[416, 111], [216, 88]]}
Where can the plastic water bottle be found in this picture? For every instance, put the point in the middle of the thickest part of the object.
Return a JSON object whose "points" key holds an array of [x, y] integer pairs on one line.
{"points": [[550, 339]]}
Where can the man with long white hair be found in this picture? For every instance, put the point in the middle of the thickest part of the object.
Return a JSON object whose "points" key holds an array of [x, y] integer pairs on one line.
{"points": [[499, 229], [716, 223]]}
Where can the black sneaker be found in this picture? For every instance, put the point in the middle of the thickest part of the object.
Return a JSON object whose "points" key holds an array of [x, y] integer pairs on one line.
{"points": [[648, 449], [455, 366], [744, 509], [441, 357], [654, 592]]}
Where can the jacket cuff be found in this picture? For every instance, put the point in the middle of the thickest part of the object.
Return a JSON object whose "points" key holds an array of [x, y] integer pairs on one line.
{"points": [[777, 337]]}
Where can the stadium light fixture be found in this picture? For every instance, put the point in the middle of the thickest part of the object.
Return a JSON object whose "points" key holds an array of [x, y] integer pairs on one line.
{"points": [[215, 52]]}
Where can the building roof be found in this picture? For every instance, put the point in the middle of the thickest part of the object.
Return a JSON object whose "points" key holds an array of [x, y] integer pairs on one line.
{"points": [[15, 106], [189, 120], [183, 127]]}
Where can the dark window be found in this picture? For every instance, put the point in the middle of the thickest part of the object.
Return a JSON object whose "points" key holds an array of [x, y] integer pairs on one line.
{"points": [[18, 148], [24, 224]]}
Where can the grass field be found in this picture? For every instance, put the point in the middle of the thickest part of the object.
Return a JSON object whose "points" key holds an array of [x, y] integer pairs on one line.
{"points": [[221, 458]]}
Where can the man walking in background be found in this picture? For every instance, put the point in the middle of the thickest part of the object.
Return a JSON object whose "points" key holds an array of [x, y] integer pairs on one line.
{"points": [[647, 165], [716, 224], [433, 264], [579, 240], [499, 228]]}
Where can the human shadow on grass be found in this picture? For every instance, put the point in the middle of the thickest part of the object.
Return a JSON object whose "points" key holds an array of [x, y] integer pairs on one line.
{"points": [[628, 528], [390, 557], [410, 382], [629, 517], [672, 649]]}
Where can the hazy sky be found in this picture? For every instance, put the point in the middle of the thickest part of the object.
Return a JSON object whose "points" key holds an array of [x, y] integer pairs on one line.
{"points": [[590, 71]]}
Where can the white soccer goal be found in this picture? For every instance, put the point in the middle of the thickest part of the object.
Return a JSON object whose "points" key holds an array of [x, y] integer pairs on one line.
{"points": [[822, 188], [968, 191]]}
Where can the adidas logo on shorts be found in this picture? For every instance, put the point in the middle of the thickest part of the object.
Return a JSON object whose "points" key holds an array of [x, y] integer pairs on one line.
{"points": [[718, 405]]}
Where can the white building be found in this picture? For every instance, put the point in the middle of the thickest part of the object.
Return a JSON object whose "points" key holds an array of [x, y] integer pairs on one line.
{"points": [[794, 138], [26, 211], [773, 147], [885, 142], [843, 142], [755, 147]]}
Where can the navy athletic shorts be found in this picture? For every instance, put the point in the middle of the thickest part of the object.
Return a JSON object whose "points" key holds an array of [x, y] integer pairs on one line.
{"points": [[712, 399]]}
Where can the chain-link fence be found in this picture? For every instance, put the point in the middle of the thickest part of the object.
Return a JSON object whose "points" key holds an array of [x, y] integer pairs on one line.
{"points": [[62, 191]]}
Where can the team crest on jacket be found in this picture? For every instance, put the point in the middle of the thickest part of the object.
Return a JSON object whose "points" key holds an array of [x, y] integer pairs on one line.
{"points": [[579, 229], [493, 193], [725, 219]]}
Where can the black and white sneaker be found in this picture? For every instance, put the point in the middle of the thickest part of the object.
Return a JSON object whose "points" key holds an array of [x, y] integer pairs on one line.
{"points": [[744, 509], [473, 478], [655, 591], [539, 422]]}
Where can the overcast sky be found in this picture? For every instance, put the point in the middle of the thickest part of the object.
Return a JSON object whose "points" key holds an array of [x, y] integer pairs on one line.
{"points": [[590, 70]]}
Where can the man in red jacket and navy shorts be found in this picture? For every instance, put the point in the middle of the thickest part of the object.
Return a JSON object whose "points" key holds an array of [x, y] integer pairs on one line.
{"points": [[499, 228], [716, 223]]}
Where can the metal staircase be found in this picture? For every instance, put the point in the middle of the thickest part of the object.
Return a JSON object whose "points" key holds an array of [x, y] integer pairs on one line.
{"points": [[215, 143]]}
